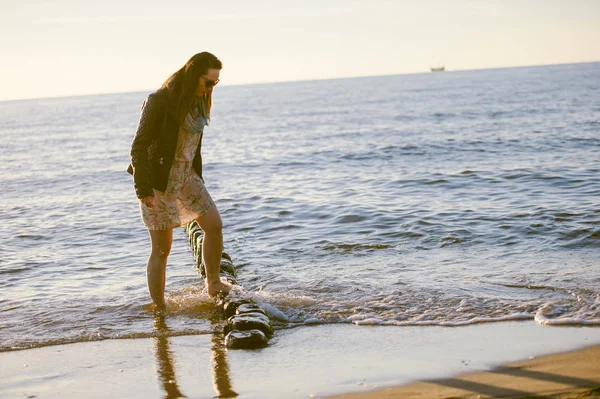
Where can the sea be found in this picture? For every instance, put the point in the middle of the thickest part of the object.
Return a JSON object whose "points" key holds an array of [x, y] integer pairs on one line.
{"points": [[432, 199]]}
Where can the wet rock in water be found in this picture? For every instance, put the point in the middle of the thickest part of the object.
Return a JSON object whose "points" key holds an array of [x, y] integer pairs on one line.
{"points": [[249, 339], [249, 321], [201, 269], [253, 315], [228, 278], [249, 308], [196, 237], [227, 267], [248, 325], [198, 248], [226, 272], [230, 306]]}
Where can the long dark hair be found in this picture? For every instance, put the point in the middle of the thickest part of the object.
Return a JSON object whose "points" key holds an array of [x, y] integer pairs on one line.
{"points": [[182, 86]]}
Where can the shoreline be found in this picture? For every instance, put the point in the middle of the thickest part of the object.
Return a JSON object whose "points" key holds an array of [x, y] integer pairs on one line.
{"points": [[313, 361]]}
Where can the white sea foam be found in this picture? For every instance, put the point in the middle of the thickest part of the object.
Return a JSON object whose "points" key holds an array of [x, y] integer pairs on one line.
{"points": [[541, 318]]}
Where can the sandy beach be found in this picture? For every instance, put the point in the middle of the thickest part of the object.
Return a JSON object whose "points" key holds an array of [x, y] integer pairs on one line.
{"points": [[398, 229], [316, 361], [568, 375]]}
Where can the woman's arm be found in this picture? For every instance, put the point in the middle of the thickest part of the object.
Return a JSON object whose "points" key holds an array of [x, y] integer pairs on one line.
{"points": [[147, 131]]}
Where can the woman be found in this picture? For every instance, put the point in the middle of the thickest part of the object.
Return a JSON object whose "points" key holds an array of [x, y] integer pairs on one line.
{"points": [[167, 170]]}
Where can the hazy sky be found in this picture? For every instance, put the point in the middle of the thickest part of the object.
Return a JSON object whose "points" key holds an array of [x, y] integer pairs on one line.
{"points": [[66, 47]]}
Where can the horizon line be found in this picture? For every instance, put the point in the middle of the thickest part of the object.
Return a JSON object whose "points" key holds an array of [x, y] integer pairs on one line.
{"points": [[301, 80]]}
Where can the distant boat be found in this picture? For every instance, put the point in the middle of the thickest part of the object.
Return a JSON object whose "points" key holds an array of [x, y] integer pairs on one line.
{"points": [[438, 69]]}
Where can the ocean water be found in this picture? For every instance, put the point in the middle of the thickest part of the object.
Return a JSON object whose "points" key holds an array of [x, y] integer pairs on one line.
{"points": [[429, 199]]}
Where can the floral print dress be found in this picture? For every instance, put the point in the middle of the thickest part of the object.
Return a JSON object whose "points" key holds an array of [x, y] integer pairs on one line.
{"points": [[185, 198]]}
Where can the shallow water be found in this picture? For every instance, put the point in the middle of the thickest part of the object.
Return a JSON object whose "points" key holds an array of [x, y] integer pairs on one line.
{"points": [[432, 199]]}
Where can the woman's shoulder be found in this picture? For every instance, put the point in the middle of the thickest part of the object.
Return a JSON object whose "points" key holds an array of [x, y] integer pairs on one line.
{"points": [[155, 101], [161, 94]]}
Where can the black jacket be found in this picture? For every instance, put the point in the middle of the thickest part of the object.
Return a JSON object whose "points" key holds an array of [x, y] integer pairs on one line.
{"points": [[154, 144]]}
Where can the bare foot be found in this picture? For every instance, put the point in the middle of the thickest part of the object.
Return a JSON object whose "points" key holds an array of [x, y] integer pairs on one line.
{"points": [[216, 288]]}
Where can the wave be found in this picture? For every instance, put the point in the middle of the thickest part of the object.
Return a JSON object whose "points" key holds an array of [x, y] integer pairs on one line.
{"points": [[348, 248], [32, 344], [334, 306], [429, 309]]}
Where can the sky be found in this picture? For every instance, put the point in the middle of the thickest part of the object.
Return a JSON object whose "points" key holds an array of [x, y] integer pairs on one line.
{"points": [[73, 47]]}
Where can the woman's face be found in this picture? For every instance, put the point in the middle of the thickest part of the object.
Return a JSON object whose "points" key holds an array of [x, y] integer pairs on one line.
{"points": [[207, 81]]}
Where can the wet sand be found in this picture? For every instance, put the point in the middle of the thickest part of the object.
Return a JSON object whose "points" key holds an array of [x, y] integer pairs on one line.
{"points": [[566, 375], [314, 361]]}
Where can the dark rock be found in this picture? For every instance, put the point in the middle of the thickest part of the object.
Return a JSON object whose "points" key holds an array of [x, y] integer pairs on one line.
{"points": [[230, 306], [249, 321], [198, 245], [200, 267], [253, 315], [248, 325], [249, 339], [194, 231], [195, 237], [249, 308], [227, 267]]}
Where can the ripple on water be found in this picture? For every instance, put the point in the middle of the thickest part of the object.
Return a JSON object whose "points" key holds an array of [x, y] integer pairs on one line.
{"points": [[404, 213], [349, 218], [33, 237]]}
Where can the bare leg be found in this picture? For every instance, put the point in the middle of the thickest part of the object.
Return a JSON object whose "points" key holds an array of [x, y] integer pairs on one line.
{"points": [[212, 248], [157, 264]]}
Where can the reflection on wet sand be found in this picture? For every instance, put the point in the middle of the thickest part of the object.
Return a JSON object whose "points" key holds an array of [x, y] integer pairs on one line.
{"points": [[166, 370], [220, 368], [164, 360]]}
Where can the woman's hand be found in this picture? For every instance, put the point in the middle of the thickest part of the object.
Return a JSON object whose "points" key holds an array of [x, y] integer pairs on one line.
{"points": [[148, 201]]}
